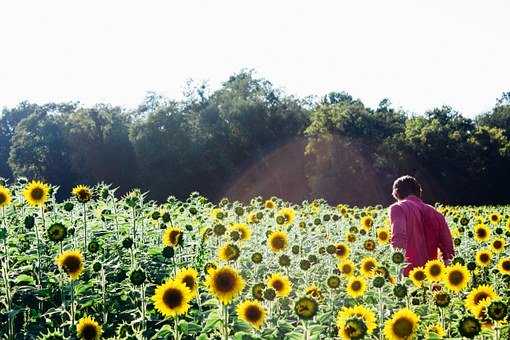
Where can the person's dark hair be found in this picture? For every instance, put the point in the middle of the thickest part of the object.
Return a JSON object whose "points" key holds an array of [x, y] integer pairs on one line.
{"points": [[405, 186]]}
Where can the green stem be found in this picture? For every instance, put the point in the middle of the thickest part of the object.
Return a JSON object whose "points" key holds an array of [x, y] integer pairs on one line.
{"points": [[84, 231], [225, 322]]}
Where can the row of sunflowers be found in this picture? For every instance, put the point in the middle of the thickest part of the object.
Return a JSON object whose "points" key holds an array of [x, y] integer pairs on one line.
{"points": [[103, 266]]}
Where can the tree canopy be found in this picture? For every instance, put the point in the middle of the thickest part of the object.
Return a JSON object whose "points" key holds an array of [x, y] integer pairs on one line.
{"points": [[250, 138]]}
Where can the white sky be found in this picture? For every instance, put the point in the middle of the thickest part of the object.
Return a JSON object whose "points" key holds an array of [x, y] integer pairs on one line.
{"points": [[420, 54]]}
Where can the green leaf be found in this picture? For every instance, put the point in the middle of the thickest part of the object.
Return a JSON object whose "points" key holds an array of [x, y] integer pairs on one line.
{"points": [[23, 278]]}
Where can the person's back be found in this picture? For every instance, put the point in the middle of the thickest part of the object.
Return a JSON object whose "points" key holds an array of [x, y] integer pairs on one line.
{"points": [[417, 228]]}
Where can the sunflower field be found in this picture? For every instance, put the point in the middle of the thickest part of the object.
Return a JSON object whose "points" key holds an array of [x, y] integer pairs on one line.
{"points": [[103, 266]]}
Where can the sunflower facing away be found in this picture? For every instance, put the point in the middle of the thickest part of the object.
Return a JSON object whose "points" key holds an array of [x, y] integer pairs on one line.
{"points": [[82, 193], [5, 197], [225, 284], [356, 286], [280, 283], [456, 277], [252, 312], [479, 298], [172, 298], [36, 193], [87, 328], [71, 262], [277, 241], [188, 276], [347, 329], [172, 236], [434, 270], [402, 325]]}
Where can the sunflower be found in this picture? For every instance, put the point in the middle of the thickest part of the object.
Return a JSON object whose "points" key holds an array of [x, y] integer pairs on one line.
{"points": [[456, 277], [504, 265], [82, 193], [243, 230], [368, 266], [342, 209], [217, 214], [483, 257], [36, 193], [5, 196], [417, 276], [342, 250], [356, 286], [314, 292], [88, 329], [360, 312], [498, 244], [277, 241], [479, 298], [482, 233], [172, 298], [71, 262], [280, 283], [224, 283], [366, 223], [346, 267], [383, 235], [172, 236], [229, 252], [495, 218], [253, 312], [286, 216], [269, 204], [434, 270], [437, 329], [306, 308], [188, 276], [402, 325]]}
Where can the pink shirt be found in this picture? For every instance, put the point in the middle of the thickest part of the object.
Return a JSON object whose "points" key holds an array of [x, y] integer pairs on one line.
{"points": [[420, 230]]}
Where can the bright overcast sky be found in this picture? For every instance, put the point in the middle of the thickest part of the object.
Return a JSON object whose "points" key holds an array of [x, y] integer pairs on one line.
{"points": [[419, 54]]}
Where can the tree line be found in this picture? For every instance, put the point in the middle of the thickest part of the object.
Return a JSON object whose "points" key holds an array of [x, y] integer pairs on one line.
{"points": [[250, 138]]}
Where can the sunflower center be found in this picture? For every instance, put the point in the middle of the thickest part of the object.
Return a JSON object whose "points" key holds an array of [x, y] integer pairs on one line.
{"points": [[369, 266], [481, 233], [346, 269], [3, 198], [174, 236], [435, 270], [419, 275], [89, 332], [71, 264], [456, 277], [356, 285], [278, 242], [506, 265], [497, 244], [173, 298], [494, 218], [277, 285], [383, 236], [189, 281], [37, 193], [253, 313], [225, 281], [403, 327], [484, 258], [340, 250], [480, 296]]}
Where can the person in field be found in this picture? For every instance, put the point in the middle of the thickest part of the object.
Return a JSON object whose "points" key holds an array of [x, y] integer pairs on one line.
{"points": [[417, 228]]}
